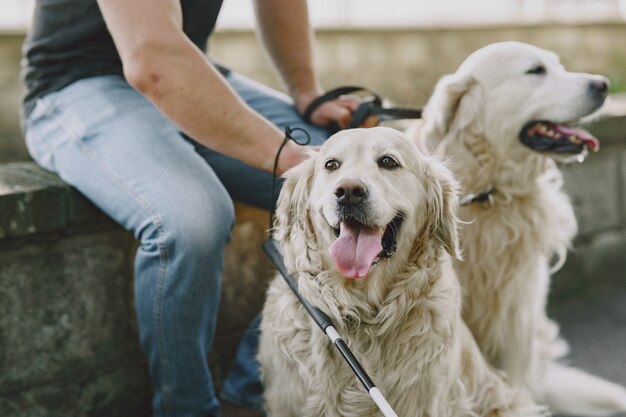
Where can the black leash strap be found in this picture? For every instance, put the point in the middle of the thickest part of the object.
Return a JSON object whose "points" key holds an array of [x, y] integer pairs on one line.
{"points": [[320, 318], [328, 96], [372, 105], [288, 136]]}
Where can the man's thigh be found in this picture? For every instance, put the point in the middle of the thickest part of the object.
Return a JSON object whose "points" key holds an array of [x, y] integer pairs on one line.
{"points": [[244, 183], [114, 146]]}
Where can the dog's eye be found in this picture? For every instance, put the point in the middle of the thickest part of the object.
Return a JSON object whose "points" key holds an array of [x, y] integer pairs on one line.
{"points": [[387, 162], [332, 165], [537, 70]]}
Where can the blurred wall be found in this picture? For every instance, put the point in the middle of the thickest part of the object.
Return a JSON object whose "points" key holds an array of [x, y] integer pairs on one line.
{"points": [[11, 146], [401, 64], [405, 64]]}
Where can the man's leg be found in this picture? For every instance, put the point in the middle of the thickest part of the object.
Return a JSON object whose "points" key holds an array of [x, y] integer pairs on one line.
{"points": [[252, 186], [110, 143]]}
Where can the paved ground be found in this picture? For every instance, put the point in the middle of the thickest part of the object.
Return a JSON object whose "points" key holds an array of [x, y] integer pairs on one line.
{"points": [[596, 331]]}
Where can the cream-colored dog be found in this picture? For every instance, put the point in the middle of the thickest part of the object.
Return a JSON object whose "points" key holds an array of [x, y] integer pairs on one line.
{"points": [[501, 120], [367, 226]]}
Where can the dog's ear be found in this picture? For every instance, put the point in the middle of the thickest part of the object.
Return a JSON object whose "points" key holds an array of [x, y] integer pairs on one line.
{"points": [[441, 208], [292, 212], [454, 104]]}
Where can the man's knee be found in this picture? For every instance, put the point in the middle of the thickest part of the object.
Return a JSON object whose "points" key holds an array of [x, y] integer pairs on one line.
{"points": [[204, 226], [197, 225]]}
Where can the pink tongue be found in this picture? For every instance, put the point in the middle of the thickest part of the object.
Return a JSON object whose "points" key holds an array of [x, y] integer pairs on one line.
{"points": [[586, 137], [355, 249]]}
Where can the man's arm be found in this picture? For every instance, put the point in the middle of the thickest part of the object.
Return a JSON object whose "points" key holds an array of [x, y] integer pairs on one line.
{"points": [[165, 66], [286, 33]]}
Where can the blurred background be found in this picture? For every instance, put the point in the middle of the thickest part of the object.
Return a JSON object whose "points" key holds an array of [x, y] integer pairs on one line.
{"points": [[397, 47], [66, 328]]}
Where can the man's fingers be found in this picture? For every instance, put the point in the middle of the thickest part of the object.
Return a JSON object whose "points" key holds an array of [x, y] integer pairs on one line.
{"points": [[350, 103], [343, 117], [332, 112], [370, 121], [340, 111]]}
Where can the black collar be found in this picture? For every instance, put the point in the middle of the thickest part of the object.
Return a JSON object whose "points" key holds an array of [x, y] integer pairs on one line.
{"points": [[485, 199]]}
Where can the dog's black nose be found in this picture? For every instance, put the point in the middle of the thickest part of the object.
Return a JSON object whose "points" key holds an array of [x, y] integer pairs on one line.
{"points": [[350, 193], [599, 86]]}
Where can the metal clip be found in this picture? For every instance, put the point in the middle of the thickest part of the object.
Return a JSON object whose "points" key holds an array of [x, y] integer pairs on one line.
{"points": [[467, 199], [487, 203]]}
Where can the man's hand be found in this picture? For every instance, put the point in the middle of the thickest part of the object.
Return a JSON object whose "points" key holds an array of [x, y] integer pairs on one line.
{"points": [[287, 36], [291, 155], [338, 111]]}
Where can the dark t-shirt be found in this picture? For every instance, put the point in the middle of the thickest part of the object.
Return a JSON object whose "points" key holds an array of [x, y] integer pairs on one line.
{"points": [[68, 41]]}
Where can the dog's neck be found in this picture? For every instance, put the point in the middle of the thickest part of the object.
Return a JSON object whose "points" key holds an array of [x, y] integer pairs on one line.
{"points": [[480, 169], [522, 190]]}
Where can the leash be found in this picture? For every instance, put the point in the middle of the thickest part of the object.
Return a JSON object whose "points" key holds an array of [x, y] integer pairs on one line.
{"points": [[371, 105], [321, 319]]}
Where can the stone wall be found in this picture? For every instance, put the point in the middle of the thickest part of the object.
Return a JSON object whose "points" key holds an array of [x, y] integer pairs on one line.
{"points": [[68, 343]]}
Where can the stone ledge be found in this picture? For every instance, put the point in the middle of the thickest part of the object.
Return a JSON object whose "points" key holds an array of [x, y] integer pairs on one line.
{"points": [[34, 201], [68, 339]]}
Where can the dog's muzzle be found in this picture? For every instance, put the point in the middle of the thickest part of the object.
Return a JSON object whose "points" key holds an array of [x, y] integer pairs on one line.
{"points": [[546, 136]]}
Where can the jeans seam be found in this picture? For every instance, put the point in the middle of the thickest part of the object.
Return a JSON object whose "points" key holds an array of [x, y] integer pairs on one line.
{"points": [[163, 253]]}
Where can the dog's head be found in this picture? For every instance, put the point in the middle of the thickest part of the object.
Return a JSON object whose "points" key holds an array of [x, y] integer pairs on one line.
{"points": [[367, 201], [518, 97]]}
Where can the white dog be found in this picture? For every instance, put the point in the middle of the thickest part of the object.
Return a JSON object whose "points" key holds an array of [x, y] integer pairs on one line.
{"points": [[367, 226], [500, 121]]}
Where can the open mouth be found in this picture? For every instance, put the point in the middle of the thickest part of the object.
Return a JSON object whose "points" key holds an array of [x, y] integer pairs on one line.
{"points": [[358, 247], [545, 136]]}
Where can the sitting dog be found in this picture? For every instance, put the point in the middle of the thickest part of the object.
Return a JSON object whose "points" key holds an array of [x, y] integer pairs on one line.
{"points": [[367, 226], [501, 121]]}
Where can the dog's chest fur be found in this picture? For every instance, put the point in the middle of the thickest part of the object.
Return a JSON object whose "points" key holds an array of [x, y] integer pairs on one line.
{"points": [[507, 252], [406, 343]]}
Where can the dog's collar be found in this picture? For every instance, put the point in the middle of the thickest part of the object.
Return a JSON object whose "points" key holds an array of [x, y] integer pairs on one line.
{"points": [[484, 199]]}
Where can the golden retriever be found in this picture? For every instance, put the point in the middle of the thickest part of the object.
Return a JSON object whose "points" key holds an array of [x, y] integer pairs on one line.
{"points": [[501, 121], [368, 226]]}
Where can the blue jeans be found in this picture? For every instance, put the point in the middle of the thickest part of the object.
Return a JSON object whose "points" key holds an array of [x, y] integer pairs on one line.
{"points": [[115, 147]]}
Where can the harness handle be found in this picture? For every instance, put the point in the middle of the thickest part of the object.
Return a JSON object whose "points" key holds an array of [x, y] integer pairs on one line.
{"points": [[371, 105]]}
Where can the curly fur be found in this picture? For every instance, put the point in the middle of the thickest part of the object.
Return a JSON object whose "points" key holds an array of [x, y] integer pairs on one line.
{"points": [[473, 120], [403, 321]]}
